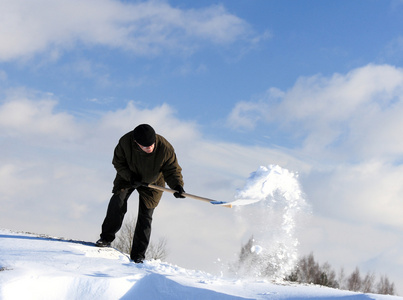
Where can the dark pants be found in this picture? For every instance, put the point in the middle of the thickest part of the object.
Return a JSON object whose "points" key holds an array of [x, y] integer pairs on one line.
{"points": [[117, 209]]}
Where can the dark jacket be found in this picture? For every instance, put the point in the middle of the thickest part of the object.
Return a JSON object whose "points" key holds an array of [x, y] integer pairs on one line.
{"points": [[156, 167]]}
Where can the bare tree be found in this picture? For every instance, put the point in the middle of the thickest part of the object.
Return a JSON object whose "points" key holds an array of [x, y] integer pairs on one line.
{"points": [[367, 285], [328, 276], [124, 241], [157, 250], [124, 238], [247, 263], [245, 250], [354, 281], [309, 271], [385, 287], [341, 278]]}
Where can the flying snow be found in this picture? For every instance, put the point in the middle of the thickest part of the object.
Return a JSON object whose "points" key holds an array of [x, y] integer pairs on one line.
{"points": [[270, 204], [256, 249]]}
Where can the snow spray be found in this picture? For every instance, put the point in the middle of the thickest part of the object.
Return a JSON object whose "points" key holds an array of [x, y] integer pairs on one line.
{"points": [[269, 205]]}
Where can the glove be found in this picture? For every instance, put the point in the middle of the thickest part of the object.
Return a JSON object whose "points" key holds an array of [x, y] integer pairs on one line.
{"points": [[179, 192]]}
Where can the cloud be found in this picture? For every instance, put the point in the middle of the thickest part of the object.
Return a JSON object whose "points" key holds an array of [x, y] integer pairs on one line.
{"points": [[355, 116], [245, 115], [367, 193], [393, 50], [21, 116], [144, 28]]}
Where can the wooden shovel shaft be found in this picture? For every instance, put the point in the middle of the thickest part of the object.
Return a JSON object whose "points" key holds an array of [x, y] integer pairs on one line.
{"points": [[164, 189]]}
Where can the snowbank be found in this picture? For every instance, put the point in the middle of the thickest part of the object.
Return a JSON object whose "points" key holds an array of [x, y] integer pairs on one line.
{"points": [[41, 267]]}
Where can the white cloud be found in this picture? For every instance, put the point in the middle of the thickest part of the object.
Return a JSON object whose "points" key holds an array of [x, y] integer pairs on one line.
{"points": [[369, 192], [21, 116], [29, 28], [350, 117], [245, 115], [393, 50]]}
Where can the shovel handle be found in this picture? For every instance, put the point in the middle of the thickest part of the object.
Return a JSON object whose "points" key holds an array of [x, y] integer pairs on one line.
{"points": [[164, 189]]}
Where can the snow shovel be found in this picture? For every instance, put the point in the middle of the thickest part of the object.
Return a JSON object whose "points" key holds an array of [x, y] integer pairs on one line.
{"points": [[164, 189]]}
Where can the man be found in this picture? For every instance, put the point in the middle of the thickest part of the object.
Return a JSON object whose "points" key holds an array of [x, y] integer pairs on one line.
{"points": [[140, 156]]}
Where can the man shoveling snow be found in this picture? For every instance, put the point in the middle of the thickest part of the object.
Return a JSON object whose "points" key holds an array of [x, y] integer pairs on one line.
{"points": [[140, 156]]}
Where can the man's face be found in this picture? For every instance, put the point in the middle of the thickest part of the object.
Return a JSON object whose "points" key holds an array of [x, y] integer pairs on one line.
{"points": [[148, 149]]}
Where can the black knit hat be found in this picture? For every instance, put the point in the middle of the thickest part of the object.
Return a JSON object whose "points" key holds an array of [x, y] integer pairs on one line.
{"points": [[144, 134]]}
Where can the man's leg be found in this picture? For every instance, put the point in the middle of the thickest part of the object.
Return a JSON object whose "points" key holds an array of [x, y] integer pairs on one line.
{"points": [[142, 233], [117, 209]]}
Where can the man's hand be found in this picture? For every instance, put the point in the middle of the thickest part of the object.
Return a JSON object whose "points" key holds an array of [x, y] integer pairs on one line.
{"points": [[179, 192]]}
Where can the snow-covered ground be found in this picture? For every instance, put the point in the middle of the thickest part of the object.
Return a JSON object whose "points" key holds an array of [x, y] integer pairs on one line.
{"points": [[41, 267]]}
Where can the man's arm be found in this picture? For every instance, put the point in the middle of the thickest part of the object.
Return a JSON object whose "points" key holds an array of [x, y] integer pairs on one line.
{"points": [[172, 171], [120, 163]]}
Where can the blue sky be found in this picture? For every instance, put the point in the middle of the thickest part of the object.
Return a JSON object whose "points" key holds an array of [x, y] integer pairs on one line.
{"points": [[273, 44], [313, 86]]}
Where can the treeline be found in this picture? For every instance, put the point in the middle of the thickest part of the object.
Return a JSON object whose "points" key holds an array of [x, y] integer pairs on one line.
{"points": [[311, 272], [306, 271]]}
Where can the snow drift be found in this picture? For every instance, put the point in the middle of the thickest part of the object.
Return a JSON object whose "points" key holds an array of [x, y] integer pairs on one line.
{"points": [[41, 267]]}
